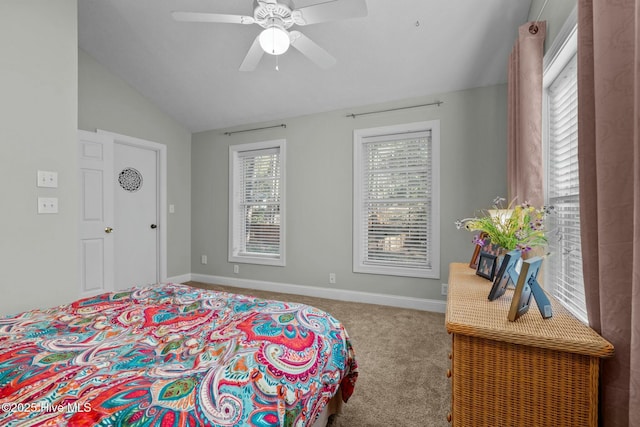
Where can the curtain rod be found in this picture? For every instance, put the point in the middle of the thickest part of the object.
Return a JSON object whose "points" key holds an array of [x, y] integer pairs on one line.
{"points": [[438, 103], [541, 9], [251, 130], [533, 28]]}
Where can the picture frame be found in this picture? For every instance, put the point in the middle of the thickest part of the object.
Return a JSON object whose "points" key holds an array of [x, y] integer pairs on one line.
{"points": [[526, 288], [507, 273], [486, 265], [491, 248], [476, 251], [522, 295]]}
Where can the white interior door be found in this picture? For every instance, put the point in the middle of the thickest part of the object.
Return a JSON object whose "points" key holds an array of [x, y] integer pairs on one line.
{"points": [[96, 212], [121, 241], [136, 216]]}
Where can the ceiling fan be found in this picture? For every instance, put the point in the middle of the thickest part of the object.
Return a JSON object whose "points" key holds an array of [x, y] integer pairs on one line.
{"points": [[276, 17]]}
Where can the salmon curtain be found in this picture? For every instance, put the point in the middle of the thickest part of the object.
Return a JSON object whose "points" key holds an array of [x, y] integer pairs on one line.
{"points": [[524, 125], [609, 164]]}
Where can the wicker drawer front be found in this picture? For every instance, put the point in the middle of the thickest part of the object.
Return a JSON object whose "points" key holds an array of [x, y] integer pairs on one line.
{"points": [[502, 384]]}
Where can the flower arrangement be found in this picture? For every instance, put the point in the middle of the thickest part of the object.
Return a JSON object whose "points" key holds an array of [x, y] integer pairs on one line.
{"points": [[515, 227]]}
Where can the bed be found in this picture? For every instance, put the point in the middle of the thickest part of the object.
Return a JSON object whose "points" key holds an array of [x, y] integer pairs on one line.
{"points": [[173, 355]]}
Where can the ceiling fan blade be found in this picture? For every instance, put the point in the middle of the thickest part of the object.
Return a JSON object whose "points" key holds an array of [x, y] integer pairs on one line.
{"points": [[212, 17], [331, 10], [253, 56], [311, 50]]}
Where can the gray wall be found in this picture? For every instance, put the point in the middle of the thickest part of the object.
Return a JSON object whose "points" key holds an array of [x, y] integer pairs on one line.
{"points": [[107, 102], [38, 122], [319, 189]]}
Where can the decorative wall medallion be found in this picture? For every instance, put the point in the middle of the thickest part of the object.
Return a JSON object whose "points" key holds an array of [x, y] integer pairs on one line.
{"points": [[130, 179]]}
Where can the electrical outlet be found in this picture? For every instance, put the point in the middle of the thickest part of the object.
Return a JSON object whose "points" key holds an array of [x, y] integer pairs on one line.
{"points": [[47, 205], [48, 179], [332, 278], [444, 289], [203, 259], [236, 268]]}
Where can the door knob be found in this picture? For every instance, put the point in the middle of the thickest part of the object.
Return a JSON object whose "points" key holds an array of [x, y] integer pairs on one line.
{"points": [[153, 226], [108, 230]]}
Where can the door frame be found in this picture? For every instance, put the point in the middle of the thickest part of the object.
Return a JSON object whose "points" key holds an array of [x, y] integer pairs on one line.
{"points": [[161, 153]]}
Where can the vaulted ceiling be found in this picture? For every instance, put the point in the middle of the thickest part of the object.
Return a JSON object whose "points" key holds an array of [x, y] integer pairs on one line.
{"points": [[400, 49]]}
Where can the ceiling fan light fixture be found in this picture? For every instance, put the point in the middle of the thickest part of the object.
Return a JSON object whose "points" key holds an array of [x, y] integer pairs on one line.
{"points": [[274, 40]]}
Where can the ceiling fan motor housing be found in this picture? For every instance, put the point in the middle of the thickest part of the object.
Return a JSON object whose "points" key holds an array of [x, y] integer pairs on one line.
{"points": [[270, 13]]}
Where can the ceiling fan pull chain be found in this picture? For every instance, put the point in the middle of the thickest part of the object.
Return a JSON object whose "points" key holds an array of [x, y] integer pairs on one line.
{"points": [[273, 46]]}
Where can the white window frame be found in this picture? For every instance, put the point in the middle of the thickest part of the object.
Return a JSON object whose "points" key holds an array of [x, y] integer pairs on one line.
{"points": [[236, 255], [359, 226], [559, 55]]}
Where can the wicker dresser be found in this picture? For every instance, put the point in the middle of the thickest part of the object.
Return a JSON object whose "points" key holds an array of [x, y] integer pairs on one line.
{"points": [[531, 372]]}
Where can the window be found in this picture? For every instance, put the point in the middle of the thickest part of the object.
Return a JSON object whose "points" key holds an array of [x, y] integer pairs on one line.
{"points": [[396, 200], [564, 267], [256, 203]]}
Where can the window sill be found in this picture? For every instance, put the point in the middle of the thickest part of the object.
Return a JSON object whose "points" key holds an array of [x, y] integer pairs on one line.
{"points": [[398, 271], [259, 260]]}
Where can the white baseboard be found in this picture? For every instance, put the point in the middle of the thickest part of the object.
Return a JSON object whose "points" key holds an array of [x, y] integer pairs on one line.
{"points": [[179, 279], [336, 294]]}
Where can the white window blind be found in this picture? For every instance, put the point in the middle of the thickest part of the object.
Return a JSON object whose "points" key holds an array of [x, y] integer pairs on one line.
{"points": [[564, 273], [256, 214], [394, 211]]}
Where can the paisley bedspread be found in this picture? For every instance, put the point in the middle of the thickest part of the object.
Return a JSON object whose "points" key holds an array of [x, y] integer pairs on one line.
{"points": [[172, 355]]}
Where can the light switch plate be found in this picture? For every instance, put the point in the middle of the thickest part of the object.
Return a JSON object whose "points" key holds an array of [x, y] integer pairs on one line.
{"points": [[48, 179], [47, 205]]}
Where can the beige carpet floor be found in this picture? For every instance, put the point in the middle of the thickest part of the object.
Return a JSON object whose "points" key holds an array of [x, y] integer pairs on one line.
{"points": [[402, 359]]}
